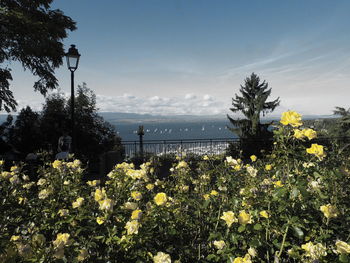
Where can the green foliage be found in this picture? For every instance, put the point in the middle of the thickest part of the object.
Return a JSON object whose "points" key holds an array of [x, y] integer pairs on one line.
{"points": [[290, 206], [343, 124], [26, 134], [33, 131], [252, 103], [32, 34]]}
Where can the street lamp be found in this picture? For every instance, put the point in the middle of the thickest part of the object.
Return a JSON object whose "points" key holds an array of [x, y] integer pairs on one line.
{"points": [[72, 62]]}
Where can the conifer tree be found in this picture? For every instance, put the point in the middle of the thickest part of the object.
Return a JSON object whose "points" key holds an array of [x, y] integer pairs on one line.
{"points": [[252, 103]]}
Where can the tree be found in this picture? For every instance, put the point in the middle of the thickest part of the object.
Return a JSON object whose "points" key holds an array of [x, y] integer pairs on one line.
{"points": [[5, 134], [252, 103], [32, 131], [26, 134], [95, 134], [343, 126], [54, 120], [31, 33]]}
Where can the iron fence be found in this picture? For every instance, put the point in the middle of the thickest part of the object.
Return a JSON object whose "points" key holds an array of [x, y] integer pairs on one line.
{"points": [[202, 146], [196, 146]]}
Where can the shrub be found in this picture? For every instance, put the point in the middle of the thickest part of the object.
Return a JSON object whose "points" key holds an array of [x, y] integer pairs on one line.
{"points": [[290, 206]]}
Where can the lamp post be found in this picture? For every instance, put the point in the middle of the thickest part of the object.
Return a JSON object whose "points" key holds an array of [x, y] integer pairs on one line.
{"points": [[72, 62]]}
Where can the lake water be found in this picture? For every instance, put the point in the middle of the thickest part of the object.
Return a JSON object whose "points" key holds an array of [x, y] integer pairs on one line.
{"points": [[175, 130]]}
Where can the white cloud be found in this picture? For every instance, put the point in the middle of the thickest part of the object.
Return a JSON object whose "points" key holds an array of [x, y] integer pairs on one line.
{"points": [[190, 96], [192, 104]]}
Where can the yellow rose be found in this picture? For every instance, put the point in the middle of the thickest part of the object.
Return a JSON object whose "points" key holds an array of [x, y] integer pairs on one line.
{"points": [[136, 214], [150, 187], [298, 134], [278, 184], [106, 204], [253, 158], [100, 194], [100, 220], [43, 194], [219, 244], [132, 227], [160, 199], [342, 247], [57, 164], [182, 165], [329, 211], [246, 259], [130, 205], [291, 118], [62, 239], [63, 212], [309, 133], [244, 218], [252, 252], [136, 195], [314, 251], [162, 257], [264, 214], [316, 150], [41, 181], [229, 218], [78, 202], [214, 193], [268, 167], [93, 183], [15, 238]]}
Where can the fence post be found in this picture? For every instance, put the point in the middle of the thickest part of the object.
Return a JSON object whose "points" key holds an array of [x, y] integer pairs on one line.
{"points": [[140, 133], [135, 151]]}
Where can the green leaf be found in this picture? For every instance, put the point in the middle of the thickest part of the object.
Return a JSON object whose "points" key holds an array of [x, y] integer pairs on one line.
{"points": [[211, 257], [257, 227], [298, 232], [255, 243], [344, 258], [241, 228]]}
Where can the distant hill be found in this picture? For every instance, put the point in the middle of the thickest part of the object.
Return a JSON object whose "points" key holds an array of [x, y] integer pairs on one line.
{"points": [[147, 118], [121, 117], [136, 118]]}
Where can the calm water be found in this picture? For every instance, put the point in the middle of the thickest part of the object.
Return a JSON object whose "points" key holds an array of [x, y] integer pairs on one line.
{"points": [[176, 130]]}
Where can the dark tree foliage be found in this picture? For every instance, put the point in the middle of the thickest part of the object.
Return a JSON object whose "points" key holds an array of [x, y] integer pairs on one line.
{"points": [[5, 135], [26, 136], [31, 33], [252, 102], [343, 124], [32, 131], [95, 135], [54, 120]]}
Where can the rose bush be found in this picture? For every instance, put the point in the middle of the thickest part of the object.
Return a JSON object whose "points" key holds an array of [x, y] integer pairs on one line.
{"points": [[291, 206]]}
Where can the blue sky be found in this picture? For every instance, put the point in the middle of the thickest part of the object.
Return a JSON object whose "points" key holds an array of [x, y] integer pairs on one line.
{"points": [[190, 56]]}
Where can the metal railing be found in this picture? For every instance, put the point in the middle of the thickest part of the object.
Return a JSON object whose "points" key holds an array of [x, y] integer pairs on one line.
{"points": [[200, 146], [196, 146]]}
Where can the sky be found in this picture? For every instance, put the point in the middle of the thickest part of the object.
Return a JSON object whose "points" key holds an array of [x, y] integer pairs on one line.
{"points": [[191, 56]]}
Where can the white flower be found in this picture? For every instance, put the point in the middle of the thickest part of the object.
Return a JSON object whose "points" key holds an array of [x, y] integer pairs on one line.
{"points": [[162, 257], [219, 244], [252, 171]]}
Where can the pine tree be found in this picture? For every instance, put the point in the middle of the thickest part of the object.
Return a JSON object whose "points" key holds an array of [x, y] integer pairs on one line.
{"points": [[343, 123], [252, 103]]}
